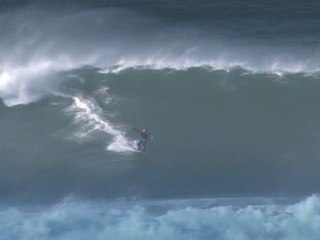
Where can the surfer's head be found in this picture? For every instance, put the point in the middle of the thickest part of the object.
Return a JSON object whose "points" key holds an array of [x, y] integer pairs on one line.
{"points": [[144, 130]]}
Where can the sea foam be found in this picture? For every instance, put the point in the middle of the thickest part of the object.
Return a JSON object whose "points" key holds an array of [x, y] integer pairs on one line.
{"points": [[89, 115], [79, 220]]}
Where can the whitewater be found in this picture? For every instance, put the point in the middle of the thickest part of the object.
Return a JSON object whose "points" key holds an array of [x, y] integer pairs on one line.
{"points": [[135, 220]]}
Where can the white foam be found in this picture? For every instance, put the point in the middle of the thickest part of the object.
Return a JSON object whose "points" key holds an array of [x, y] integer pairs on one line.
{"points": [[77, 220], [28, 83], [273, 65], [88, 114], [15, 91]]}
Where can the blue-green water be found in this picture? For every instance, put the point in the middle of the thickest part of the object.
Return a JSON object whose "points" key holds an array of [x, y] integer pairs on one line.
{"points": [[229, 91]]}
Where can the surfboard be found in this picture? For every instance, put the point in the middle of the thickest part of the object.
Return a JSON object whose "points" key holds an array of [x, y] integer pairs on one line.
{"points": [[141, 151]]}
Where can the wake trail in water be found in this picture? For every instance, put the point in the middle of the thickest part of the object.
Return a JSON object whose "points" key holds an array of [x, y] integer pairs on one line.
{"points": [[88, 114]]}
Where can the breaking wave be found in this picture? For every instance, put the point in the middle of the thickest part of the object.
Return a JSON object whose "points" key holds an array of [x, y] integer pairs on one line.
{"points": [[38, 44], [204, 219]]}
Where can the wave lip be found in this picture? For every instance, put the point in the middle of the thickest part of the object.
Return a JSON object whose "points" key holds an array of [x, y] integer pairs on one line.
{"points": [[33, 49]]}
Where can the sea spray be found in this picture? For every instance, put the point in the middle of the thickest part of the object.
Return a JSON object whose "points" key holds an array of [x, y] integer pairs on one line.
{"points": [[38, 42]]}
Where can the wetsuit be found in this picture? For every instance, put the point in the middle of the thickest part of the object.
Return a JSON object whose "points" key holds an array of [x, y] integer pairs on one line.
{"points": [[143, 141]]}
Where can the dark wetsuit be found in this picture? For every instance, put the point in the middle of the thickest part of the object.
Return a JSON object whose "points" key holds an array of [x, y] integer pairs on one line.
{"points": [[143, 141]]}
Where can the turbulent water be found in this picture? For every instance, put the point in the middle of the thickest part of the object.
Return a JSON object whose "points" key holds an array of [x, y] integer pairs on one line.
{"points": [[229, 91]]}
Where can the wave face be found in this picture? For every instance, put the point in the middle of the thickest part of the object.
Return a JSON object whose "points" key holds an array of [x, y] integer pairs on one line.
{"points": [[213, 133], [228, 91]]}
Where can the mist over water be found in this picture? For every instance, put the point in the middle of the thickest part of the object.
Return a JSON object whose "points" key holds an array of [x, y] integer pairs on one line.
{"points": [[36, 39], [37, 43], [229, 92]]}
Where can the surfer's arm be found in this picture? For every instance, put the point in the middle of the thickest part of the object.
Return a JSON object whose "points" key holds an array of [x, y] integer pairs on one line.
{"points": [[135, 129]]}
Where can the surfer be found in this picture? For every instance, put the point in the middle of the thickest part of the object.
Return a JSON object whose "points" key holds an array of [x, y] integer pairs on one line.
{"points": [[143, 139]]}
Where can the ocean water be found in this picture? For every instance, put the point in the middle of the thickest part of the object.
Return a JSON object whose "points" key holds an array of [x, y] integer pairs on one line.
{"points": [[229, 91]]}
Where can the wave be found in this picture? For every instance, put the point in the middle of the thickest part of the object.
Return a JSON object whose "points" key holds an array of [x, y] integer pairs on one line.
{"points": [[215, 132], [38, 44], [72, 219]]}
